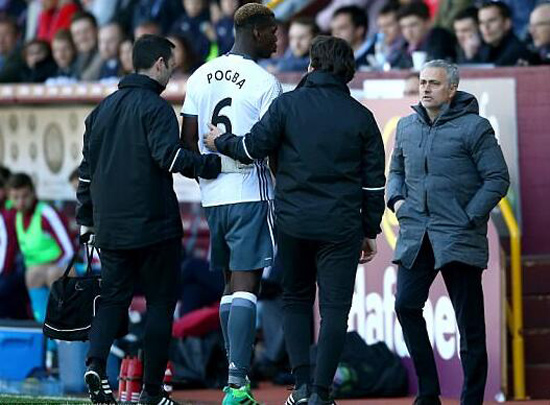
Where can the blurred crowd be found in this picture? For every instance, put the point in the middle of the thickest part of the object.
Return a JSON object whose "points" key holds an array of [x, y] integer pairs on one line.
{"points": [[63, 41]]}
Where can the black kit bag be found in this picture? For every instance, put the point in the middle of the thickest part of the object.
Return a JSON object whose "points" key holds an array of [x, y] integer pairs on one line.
{"points": [[73, 302]]}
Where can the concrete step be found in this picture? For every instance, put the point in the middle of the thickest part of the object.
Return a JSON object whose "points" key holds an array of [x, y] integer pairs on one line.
{"points": [[537, 381], [536, 277], [537, 346]]}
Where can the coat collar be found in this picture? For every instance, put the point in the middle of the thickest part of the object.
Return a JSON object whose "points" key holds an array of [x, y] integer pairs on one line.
{"points": [[323, 79], [142, 81]]}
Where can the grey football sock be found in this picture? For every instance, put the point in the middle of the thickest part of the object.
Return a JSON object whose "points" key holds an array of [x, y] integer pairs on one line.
{"points": [[225, 308], [241, 329]]}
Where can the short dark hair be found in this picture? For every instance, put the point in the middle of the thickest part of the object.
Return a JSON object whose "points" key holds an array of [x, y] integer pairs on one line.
{"points": [[84, 15], [417, 9], [18, 181], [307, 21], [6, 20], [389, 8], [502, 7], [333, 55], [253, 15], [148, 48], [358, 16], [466, 13]]}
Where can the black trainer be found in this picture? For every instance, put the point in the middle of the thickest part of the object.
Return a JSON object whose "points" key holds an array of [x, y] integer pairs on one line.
{"points": [[98, 386], [160, 399], [298, 396], [315, 399]]}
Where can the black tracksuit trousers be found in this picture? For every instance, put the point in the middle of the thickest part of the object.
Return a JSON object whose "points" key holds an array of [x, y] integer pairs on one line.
{"points": [[333, 266], [157, 267], [463, 284]]}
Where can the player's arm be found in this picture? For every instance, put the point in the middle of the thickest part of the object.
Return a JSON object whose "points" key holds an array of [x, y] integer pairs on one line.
{"points": [[262, 140], [167, 152], [190, 132], [55, 224]]}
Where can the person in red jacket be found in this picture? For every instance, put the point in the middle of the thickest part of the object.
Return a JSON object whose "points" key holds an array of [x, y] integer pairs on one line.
{"points": [[55, 15]]}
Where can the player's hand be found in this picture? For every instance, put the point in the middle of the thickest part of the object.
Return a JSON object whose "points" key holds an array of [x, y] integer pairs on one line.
{"points": [[368, 250], [210, 137], [87, 235]]}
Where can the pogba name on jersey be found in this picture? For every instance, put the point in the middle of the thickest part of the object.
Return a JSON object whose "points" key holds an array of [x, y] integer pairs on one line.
{"points": [[227, 75]]}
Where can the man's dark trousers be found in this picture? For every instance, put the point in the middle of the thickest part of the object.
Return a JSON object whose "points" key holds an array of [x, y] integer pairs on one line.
{"points": [[333, 265], [157, 267], [463, 284]]}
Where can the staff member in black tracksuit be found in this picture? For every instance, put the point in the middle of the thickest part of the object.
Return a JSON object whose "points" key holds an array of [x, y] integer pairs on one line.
{"points": [[329, 201], [125, 194]]}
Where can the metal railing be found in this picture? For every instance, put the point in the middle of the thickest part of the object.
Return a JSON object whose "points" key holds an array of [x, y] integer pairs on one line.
{"points": [[514, 313]]}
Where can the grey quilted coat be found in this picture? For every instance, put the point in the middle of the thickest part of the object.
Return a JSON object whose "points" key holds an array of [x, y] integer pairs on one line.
{"points": [[451, 174]]}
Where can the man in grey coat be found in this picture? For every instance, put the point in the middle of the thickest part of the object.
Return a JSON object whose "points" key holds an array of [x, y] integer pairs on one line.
{"points": [[447, 173]]}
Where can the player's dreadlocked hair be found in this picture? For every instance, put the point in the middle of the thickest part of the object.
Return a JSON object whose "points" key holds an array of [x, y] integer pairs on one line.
{"points": [[252, 15]]}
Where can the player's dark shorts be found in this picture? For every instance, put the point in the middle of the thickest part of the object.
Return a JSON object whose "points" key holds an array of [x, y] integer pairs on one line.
{"points": [[241, 236]]}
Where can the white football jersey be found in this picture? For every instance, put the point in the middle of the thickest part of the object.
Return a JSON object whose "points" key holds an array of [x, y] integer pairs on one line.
{"points": [[232, 92]]}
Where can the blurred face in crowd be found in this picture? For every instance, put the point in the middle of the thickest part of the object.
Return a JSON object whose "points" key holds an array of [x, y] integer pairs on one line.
{"points": [[193, 8], [179, 52], [412, 84], [34, 53], [434, 88], [300, 37], [229, 7], [539, 25], [125, 56], [342, 27], [388, 25], [110, 37], [23, 198], [84, 35], [464, 30], [414, 29], [8, 39], [493, 25], [63, 53]]}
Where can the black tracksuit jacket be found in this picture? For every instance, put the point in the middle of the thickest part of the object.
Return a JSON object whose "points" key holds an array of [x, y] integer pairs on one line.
{"points": [[131, 148], [330, 160]]}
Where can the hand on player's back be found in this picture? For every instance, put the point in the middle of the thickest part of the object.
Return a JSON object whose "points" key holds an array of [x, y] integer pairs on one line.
{"points": [[210, 137]]}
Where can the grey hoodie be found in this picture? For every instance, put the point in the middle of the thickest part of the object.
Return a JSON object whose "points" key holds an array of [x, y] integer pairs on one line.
{"points": [[451, 174]]}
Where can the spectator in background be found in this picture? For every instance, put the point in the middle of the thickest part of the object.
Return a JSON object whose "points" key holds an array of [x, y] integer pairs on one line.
{"points": [[466, 29], [16, 9], [13, 293], [412, 83], [39, 62], [162, 12], [88, 60], [147, 28], [224, 26], [184, 57], [447, 9], [43, 240], [520, 11], [371, 8], [11, 60], [300, 35], [388, 41], [125, 56], [195, 26], [64, 54], [103, 10], [436, 43], [539, 27], [110, 38], [55, 15], [502, 47], [351, 24]]}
